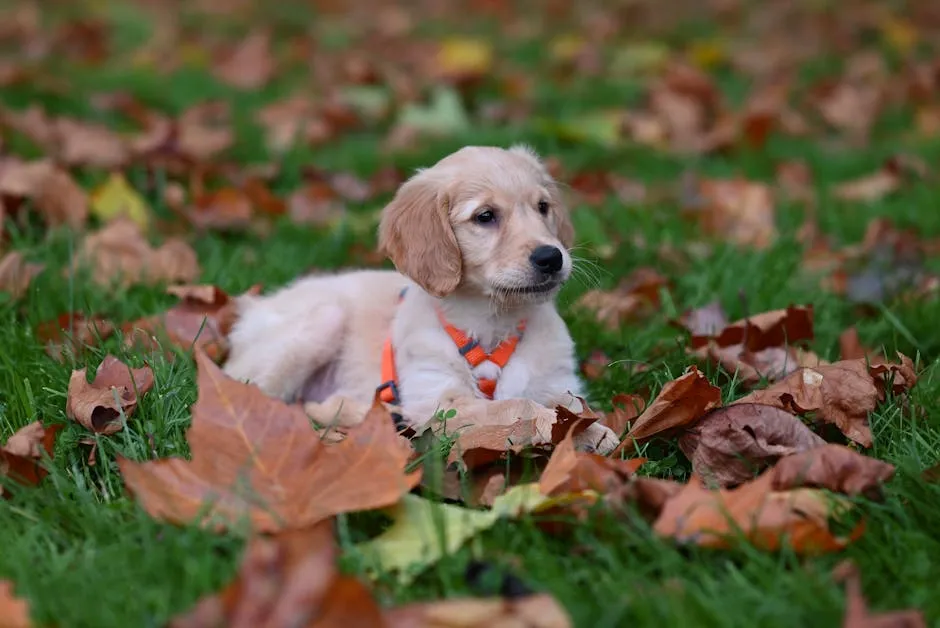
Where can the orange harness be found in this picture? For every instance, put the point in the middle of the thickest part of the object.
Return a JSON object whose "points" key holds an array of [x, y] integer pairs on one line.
{"points": [[469, 348]]}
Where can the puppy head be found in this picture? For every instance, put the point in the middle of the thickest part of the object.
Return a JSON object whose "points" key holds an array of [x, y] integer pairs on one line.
{"points": [[482, 220]]}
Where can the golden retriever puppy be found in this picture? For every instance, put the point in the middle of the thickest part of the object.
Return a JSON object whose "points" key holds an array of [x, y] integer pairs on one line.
{"points": [[480, 241]]}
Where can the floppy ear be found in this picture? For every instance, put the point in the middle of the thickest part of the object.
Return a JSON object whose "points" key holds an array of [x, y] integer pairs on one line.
{"points": [[416, 234], [563, 222]]}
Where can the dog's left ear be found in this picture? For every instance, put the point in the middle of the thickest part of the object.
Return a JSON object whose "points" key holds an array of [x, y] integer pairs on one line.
{"points": [[416, 234], [563, 224]]}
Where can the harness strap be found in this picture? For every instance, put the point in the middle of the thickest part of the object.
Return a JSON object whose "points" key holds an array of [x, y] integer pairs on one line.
{"points": [[469, 348]]}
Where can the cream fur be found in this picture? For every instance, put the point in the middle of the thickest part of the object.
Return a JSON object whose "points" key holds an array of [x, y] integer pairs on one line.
{"points": [[321, 337]]}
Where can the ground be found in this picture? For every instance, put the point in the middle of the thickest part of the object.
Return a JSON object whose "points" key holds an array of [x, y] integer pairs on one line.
{"points": [[85, 554]]}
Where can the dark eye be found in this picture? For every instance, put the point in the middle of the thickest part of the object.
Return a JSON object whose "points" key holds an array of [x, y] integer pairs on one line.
{"points": [[543, 207], [485, 217]]}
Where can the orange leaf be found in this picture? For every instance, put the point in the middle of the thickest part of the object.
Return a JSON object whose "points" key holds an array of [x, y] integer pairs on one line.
{"points": [[257, 457], [115, 389], [681, 402], [20, 455], [14, 612]]}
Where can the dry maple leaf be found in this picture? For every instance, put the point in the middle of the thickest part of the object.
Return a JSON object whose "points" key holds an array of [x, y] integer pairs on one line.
{"points": [[16, 274], [857, 614], [53, 192], [118, 253], [14, 612], [316, 203], [842, 393], [767, 518], [739, 211], [833, 467], [753, 348], [202, 319], [115, 390], [626, 408], [19, 457], [729, 444], [250, 65], [203, 131], [88, 144], [258, 457], [293, 577], [570, 471], [227, 208], [681, 402], [633, 297], [68, 334]]}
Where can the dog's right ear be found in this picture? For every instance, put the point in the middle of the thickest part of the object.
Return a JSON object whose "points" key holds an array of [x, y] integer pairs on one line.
{"points": [[416, 234]]}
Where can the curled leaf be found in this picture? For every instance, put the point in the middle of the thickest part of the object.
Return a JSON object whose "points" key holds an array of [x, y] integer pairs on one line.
{"points": [[115, 391]]}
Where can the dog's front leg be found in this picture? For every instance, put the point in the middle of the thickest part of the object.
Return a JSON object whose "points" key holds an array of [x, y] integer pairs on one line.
{"points": [[337, 411]]}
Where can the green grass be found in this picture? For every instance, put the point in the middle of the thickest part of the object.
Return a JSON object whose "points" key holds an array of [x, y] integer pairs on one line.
{"points": [[84, 554]]}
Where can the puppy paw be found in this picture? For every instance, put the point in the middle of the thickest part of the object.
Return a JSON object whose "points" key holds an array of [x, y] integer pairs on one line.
{"points": [[597, 438]]}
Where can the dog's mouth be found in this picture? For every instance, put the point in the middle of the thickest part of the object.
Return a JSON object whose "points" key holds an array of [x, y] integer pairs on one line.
{"points": [[538, 288]]}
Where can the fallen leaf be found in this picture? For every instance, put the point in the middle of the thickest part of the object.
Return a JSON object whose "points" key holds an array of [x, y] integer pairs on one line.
{"points": [[87, 144], [250, 65], [730, 444], [769, 519], [115, 197], [739, 211], [532, 611], [872, 187], [635, 296], [851, 347], [13, 610], [227, 208], [595, 364], [287, 122], [68, 334], [572, 472], [843, 393], [284, 578], [316, 203], [257, 457], [118, 253], [857, 614], [201, 320], [463, 59], [833, 467], [20, 456], [754, 348], [681, 403], [444, 115], [114, 392], [16, 274], [423, 532], [204, 131], [53, 192], [626, 408]]}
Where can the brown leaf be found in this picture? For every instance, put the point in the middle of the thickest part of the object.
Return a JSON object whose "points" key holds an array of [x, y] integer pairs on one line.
{"points": [[284, 579], [594, 365], [626, 408], [250, 65], [739, 211], [54, 193], [116, 389], [16, 274], [315, 204], [533, 611], [201, 320], [834, 467], [851, 347], [648, 495], [119, 253], [635, 296], [570, 471], [842, 393], [857, 614], [19, 457], [730, 444], [765, 517], [681, 402], [257, 457], [14, 612], [204, 131], [88, 144], [227, 208], [287, 122], [872, 187], [71, 332]]}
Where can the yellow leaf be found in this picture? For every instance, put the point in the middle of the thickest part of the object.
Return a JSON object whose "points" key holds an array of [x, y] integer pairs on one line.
{"points": [[899, 34], [423, 531], [708, 53], [463, 56], [566, 47], [115, 197], [639, 58]]}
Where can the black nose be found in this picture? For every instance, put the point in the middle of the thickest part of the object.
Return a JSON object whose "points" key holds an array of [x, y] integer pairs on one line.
{"points": [[547, 259]]}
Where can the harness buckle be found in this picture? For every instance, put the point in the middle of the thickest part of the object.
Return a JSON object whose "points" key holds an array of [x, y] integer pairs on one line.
{"points": [[393, 387]]}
